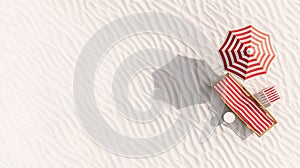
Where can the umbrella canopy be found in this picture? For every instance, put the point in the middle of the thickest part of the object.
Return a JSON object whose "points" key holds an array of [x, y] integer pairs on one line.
{"points": [[247, 52]]}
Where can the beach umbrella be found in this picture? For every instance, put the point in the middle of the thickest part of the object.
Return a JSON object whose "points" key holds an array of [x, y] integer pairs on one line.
{"points": [[247, 52]]}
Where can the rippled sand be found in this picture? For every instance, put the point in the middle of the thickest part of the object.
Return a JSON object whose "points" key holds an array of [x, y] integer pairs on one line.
{"points": [[40, 42]]}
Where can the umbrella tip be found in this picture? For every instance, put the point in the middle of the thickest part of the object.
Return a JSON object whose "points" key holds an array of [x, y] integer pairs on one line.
{"points": [[250, 51]]}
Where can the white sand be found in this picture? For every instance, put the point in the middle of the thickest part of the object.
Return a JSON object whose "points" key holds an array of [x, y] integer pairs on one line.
{"points": [[40, 42]]}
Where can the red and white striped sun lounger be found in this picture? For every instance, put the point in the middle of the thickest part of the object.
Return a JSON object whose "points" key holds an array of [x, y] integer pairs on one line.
{"points": [[271, 94], [268, 96], [244, 105]]}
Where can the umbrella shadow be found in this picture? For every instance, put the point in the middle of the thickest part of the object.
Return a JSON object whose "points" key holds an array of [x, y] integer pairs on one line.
{"points": [[184, 81]]}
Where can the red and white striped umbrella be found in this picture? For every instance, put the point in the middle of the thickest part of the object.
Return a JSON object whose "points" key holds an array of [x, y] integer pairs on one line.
{"points": [[247, 52]]}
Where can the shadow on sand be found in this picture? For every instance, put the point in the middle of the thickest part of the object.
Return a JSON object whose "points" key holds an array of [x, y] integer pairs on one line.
{"points": [[184, 82]]}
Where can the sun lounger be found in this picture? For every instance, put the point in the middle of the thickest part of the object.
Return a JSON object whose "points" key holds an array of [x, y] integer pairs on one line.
{"points": [[244, 105], [268, 96]]}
